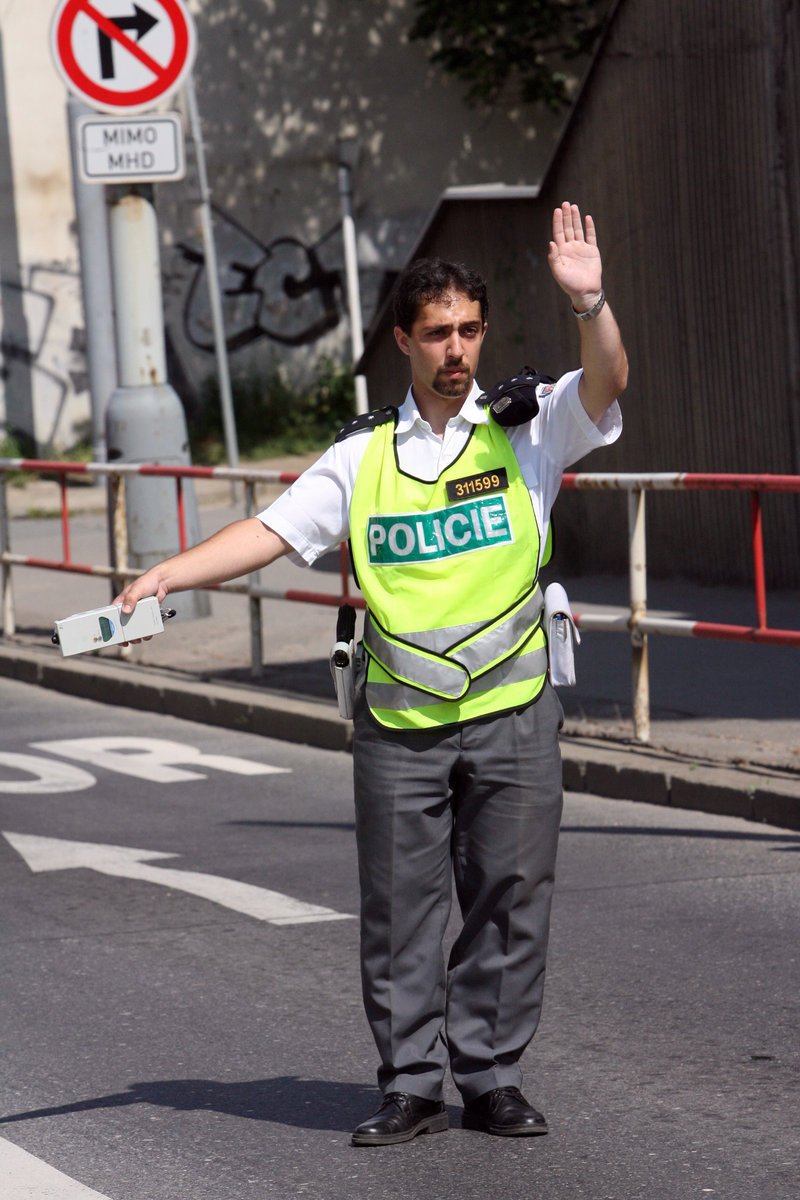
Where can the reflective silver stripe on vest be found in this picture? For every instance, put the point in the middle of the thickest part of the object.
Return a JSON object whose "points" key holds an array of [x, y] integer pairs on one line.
{"points": [[439, 641], [399, 696], [442, 641], [499, 641], [437, 676], [446, 674]]}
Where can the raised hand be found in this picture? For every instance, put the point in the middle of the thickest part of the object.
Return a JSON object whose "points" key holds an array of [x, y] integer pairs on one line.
{"points": [[574, 258]]}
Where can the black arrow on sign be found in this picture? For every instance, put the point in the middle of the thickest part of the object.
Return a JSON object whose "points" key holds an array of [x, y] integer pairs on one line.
{"points": [[140, 23]]}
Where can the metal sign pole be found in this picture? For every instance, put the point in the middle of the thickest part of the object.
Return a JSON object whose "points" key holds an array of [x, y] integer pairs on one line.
{"points": [[212, 275]]}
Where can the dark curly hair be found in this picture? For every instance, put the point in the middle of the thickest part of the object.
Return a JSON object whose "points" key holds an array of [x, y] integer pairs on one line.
{"points": [[430, 279]]}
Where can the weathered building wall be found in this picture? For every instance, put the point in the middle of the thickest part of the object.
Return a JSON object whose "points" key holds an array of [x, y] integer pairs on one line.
{"points": [[42, 368], [277, 81], [684, 148]]}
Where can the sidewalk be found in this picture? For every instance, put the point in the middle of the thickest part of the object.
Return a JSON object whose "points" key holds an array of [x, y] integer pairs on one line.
{"points": [[725, 733]]}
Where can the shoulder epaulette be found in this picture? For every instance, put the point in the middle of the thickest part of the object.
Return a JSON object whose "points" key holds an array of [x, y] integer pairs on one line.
{"points": [[515, 401], [378, 416]]}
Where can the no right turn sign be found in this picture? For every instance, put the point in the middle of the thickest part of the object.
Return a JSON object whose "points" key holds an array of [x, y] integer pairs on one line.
{"points": [[121, 55]]}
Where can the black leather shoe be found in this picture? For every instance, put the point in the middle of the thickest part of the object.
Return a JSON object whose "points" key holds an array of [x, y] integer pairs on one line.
{"points": [[399, 1119], [504, 1112]]}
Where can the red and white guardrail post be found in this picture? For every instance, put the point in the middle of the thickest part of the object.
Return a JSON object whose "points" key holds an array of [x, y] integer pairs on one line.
{"points": [[637, 568]]}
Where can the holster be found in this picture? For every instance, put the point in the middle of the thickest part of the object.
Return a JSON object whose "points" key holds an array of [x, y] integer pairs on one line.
{"points": [[342, 661], [562, 636]]}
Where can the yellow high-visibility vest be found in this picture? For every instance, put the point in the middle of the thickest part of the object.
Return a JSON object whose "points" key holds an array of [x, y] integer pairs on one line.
{"points": [[449, 573]]}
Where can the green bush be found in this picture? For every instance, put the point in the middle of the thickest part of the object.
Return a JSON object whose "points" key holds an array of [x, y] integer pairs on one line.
{"points": [[272, 416], [10, 448]]}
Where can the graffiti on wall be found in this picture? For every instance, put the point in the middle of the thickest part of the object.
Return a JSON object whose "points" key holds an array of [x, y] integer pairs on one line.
{"points": [[288, 291], [281, 290], [42, 349]]}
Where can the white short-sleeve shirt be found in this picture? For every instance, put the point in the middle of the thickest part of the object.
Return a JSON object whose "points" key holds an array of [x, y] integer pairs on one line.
{"points": [[313, 515]]}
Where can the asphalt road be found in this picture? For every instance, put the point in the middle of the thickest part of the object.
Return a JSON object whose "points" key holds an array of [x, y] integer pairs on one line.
{"points": [[191, 1026]]}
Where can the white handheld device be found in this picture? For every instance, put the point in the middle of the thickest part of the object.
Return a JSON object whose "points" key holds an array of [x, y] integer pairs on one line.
{"points": [[109, 626]]}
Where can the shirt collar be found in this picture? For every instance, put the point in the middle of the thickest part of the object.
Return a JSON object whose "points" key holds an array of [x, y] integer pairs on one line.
{"points": [[471, 411]]}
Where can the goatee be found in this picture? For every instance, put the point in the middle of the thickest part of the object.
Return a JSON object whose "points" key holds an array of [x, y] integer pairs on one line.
{"points": [[452, 386]]}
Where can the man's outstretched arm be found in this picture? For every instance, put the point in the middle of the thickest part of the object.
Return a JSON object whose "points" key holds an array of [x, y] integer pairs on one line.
{"points": [[577, 268], [235, 550]]}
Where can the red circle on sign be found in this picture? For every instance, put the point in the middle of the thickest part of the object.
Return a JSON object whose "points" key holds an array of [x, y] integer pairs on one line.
{"points": [[167, 77]]}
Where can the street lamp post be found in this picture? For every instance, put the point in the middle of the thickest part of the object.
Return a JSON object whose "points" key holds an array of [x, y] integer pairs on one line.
{"points": [[348, 152]]}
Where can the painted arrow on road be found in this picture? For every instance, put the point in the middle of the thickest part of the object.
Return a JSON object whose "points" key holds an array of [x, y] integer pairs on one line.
{"points": [[55, 854], [28, 1178]]}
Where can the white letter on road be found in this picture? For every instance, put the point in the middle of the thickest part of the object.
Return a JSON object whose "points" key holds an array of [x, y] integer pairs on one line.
{"points": [[49, 778], [151, 758]]}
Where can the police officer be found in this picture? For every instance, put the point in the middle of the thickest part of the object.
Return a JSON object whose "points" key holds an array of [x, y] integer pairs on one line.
{"points": [[456, 762]]}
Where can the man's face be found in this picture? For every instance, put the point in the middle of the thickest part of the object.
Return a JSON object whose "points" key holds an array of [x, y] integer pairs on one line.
{"points": [[444, 346]]}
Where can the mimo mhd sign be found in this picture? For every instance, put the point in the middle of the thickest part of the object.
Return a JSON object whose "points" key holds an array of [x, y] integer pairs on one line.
{"points": [[117, 149], [122, 56]]}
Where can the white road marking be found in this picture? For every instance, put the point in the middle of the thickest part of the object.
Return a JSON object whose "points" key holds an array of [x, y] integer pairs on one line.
{"points": [[49, 778], [154, 759], [55, 854], [26, 1177]]}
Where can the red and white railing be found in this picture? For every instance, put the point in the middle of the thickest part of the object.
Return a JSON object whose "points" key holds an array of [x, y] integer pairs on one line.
{"points": [[637, 623], [120, 571]]}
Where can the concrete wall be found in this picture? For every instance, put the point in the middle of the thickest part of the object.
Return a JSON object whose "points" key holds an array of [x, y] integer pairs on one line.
{"points": [[683, 147], [277, 81], [43, 387]]}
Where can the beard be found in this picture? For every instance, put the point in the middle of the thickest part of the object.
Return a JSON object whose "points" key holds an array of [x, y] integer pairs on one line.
{"points": [[452, 387]]}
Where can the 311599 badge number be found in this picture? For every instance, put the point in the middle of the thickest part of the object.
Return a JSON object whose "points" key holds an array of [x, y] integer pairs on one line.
{"points": [[481, 484]]}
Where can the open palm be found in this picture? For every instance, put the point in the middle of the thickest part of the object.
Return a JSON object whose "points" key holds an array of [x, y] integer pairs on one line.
{"points": [[574, 257]]}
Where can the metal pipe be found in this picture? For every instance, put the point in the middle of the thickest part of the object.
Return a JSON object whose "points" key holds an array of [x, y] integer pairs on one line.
{"points": [[758, 561], [65, 542], [183, 541], [637, 561], [351, 276], [118, 533], [141, 350], [6, 590], [253, 600], [212, 277], [602, 482]]}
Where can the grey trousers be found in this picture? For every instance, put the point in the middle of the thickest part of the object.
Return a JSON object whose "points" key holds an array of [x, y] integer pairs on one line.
{"points": [[480, 803]]}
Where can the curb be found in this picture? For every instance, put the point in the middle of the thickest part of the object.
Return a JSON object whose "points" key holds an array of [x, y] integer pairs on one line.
{"points": [[615, 770], [622, 771], [252, 710]]}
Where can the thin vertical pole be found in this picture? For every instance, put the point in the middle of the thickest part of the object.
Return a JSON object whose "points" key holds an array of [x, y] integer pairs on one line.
{"points": [[65, 542], [637, 559], [118, 530], [353, 286], [254, 602], [182, 538], [6, 591], [758, 560], [212, 276]]}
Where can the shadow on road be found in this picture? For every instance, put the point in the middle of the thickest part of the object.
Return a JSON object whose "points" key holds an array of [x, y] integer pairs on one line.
{"points": [[286, 1100]]}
